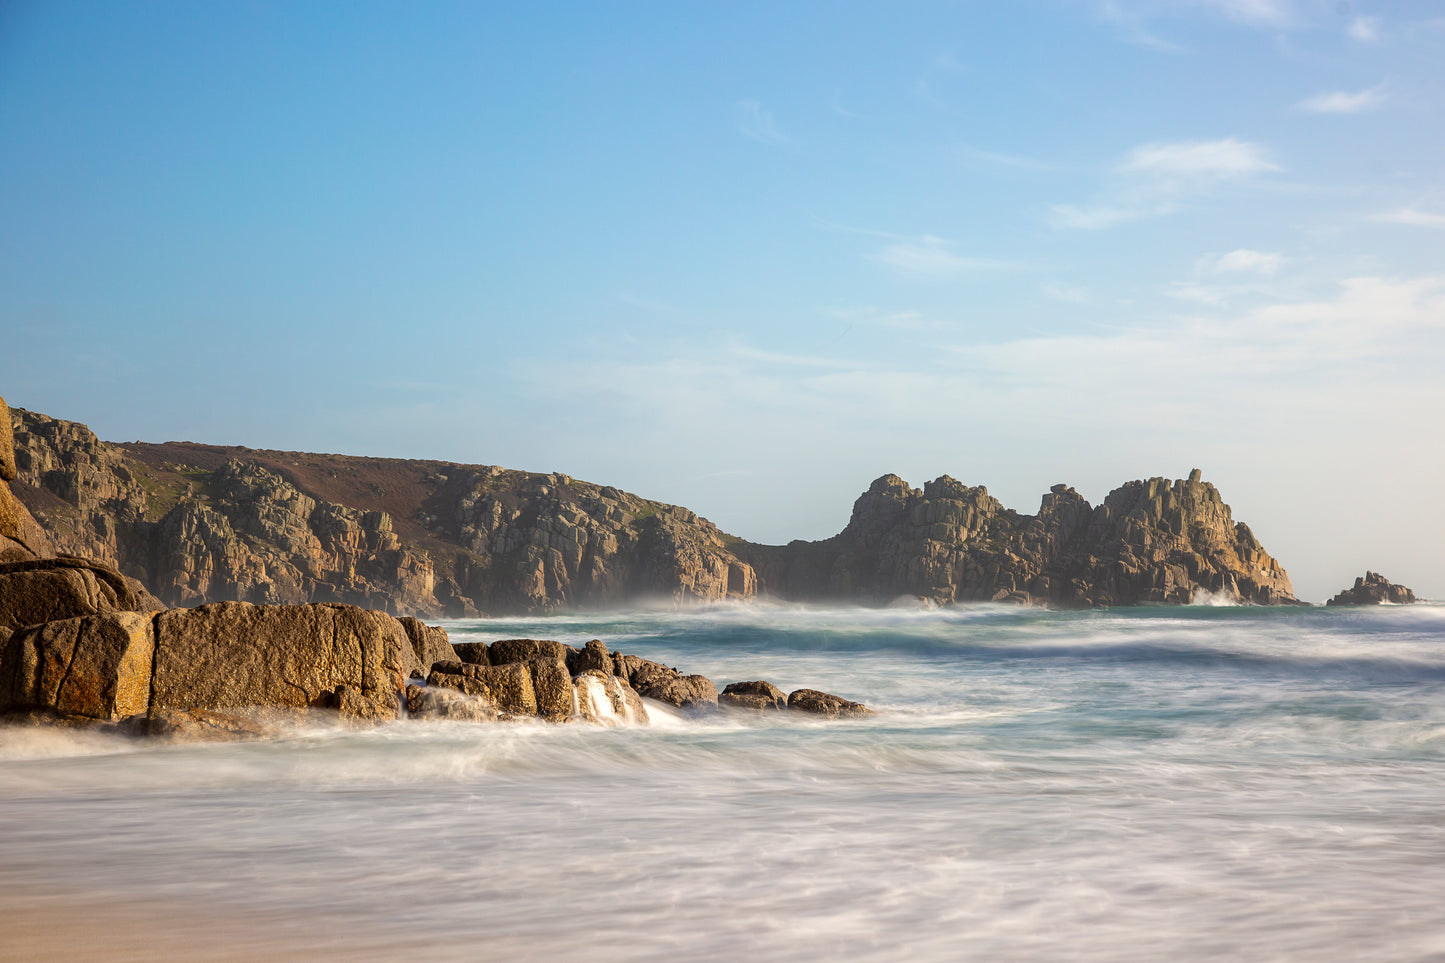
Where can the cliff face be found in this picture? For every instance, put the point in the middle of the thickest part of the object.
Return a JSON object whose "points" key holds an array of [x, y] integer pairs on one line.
{"points": [[202, 523], [1151, 541]]}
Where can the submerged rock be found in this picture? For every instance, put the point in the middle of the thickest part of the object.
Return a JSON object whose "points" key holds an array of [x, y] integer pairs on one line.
{"points": [[1372, 588], [199, 725], [605, 699], [441, 703]]}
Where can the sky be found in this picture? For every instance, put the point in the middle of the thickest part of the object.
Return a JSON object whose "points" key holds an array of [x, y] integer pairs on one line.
{"points": [[747, 257]]}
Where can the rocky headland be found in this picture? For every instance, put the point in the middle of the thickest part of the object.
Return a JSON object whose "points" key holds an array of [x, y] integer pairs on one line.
{"points": [[1150, 542], [205, 523]]}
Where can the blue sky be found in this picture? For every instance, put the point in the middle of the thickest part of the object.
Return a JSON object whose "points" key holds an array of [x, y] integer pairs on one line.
{"points": [[748, 257]]}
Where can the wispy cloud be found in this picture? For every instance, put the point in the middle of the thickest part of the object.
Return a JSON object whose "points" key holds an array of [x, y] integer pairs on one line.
{"points": [[1344, 102], [1130, 25], [1257, 262], [1197, 293], [1223, 158], [1152, 179], [755, 122], [934, 257], [1006, 160], [1411, 216], [1364, 29], [1096, 217], [894, 320], [1263, 13]]}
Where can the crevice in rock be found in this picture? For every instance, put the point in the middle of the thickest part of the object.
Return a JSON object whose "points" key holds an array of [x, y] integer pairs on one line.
{"points": [[155, 661]]}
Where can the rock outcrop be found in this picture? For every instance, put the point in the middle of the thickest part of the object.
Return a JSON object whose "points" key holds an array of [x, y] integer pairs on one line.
{"points": [[202, 523], [1150, 542], [216, 658], [1372, 588]]}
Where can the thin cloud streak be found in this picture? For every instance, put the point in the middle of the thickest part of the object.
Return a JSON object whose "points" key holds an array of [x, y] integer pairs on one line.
{"points": [[1259, 262], [1344, 102], [1412, 217], [1198, 159], [1152, 180], [932, 257]]}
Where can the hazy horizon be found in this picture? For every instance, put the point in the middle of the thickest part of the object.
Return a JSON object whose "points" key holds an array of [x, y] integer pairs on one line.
{"points": [[746, 259]]}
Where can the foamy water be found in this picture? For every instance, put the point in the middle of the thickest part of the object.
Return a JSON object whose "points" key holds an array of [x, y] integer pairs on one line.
{"points": [[1200, 783]]}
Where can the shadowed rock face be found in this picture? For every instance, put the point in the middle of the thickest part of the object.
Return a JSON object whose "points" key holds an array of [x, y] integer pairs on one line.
{"points": [[1372, 588], [1150, 542]]}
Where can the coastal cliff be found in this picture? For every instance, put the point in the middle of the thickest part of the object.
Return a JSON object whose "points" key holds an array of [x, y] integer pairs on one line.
{"points": [[206, 523]]}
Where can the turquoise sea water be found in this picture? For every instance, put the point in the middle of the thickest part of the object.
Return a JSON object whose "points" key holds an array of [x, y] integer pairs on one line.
{"points": [[1197, 783]]}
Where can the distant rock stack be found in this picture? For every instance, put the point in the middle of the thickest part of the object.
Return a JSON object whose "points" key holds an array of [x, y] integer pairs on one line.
{"points": [[1372, 588], [1150, 542]]}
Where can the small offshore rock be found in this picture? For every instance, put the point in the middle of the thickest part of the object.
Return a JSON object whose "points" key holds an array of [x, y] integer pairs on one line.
{"points": [[1372, 588], [823, 704], [199, 725], [757, 696]]}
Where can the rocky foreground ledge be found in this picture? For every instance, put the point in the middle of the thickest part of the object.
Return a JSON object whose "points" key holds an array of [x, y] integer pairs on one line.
{"points": [[79, 645], [235, 670]]}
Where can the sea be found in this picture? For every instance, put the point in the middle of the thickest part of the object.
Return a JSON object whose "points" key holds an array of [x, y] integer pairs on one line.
{"points": [[1204, 782]]}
